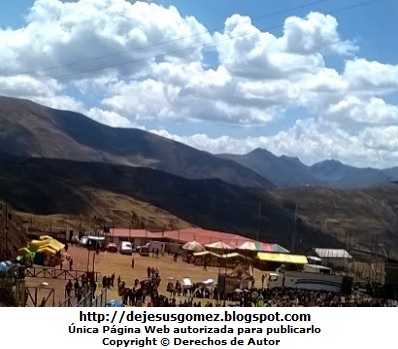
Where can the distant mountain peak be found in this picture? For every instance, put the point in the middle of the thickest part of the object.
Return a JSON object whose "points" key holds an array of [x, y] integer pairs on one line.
{"points": [[260, 151], [294, 159], [329, 163], [333, 161]]}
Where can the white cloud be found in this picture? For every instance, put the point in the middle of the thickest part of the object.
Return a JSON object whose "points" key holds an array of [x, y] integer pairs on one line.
{"points": [[311, 141], [23, 85], [46, 92], [254, 79], [247, 52], [109, 118], [371, 77], [366, 111], [317, 33], [58, 34], [180, 92], [384, 139]]}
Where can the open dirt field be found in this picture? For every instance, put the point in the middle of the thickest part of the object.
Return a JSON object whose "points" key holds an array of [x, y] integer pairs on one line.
{"points": [[107, 263]]}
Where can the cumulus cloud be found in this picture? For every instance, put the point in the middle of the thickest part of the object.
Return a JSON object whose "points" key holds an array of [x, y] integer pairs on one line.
{"points": [[109, 118], [181, 92], [311, 141], [366, 111], [317, 33], [371, 77], [89, 35], [247, 52], [143, 61], [46, 92]]}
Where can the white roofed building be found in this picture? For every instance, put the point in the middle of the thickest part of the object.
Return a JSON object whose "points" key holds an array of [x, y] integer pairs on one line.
{"points": [[333, 257]]}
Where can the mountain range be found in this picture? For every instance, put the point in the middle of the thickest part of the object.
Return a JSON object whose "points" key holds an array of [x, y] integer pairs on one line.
{"points": [[286, 172], [60, 162], [30, 130]]}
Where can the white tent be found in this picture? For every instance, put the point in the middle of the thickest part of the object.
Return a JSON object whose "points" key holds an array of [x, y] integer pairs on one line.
{"points": [[186, 283]]}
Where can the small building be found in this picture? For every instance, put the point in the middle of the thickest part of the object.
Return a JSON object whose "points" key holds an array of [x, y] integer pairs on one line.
{"points": [[333, 257]]}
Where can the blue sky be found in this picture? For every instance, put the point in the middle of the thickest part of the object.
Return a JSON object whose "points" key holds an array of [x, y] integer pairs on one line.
{"points": [[313, 79]]}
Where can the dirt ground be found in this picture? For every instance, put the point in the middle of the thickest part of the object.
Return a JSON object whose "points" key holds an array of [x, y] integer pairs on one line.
{"points": [[107, 263]]}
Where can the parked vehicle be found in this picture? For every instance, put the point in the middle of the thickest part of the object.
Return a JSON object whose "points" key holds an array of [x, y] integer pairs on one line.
{"points": [[311, 281], [112, 247], [157, 245], [143, 251], [83, 241], [126, 247]]}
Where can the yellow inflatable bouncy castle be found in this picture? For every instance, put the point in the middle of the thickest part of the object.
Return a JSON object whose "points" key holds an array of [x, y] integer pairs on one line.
{"points": [[45, 245]]}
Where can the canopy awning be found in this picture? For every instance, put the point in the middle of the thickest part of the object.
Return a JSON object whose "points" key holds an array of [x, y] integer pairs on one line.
{"points": [[262, 247], [282, 258], [206, 253], [234, 255], [219, 245], [193, 246]]}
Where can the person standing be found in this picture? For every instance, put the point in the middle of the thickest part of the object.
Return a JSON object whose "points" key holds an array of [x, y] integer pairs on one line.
{"points": [[205, 264], [68, 288], [76, 286], [79, 293]]}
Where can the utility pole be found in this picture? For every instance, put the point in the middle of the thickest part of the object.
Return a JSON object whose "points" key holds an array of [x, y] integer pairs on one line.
{"points": [[80, 225], [258, 220], [2, 246], [372, 254], [294, 229], [7, 216], [295, 221], [6, 231]]}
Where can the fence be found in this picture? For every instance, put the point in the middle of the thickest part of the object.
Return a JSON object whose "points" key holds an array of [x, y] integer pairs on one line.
{"points": [[67, 302], [89, 301], [39, 296], [52, 273]]}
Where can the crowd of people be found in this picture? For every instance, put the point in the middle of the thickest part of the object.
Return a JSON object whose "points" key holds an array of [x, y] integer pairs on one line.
{"points": [[79, 288], [145, 293], [288, 297]]}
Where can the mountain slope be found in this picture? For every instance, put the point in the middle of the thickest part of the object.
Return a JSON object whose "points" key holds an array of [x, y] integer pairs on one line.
{"points": [[339, 175], [30, 130], [356, 217], [283, 171], [46, 186]]}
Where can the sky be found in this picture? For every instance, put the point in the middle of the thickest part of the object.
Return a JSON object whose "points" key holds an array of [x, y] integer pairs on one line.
{"points": [[312, 79]]}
